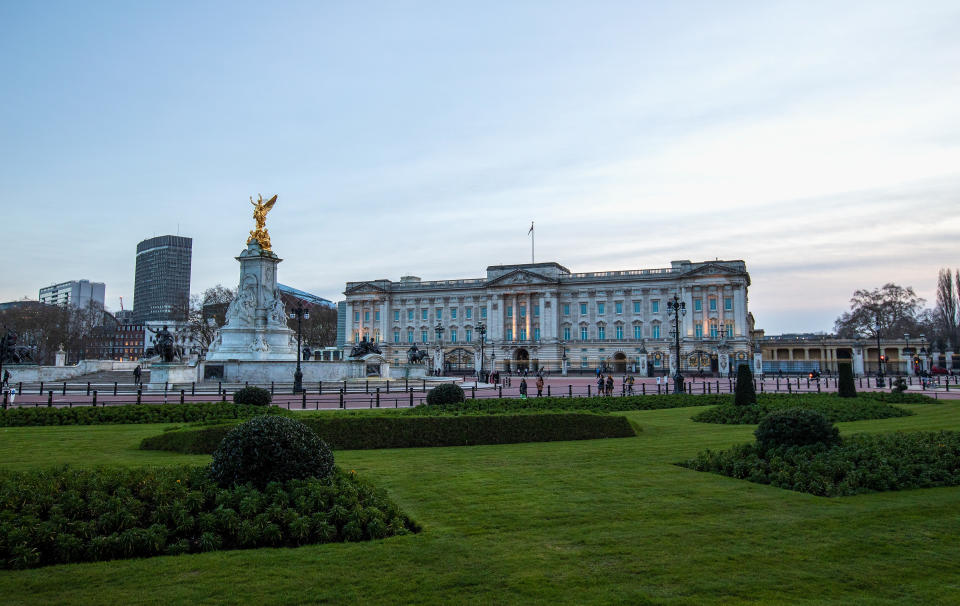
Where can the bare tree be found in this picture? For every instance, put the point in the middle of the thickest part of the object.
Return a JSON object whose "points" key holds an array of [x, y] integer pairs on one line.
{"points": [[947, 313], [898, 309], [208, 313]]}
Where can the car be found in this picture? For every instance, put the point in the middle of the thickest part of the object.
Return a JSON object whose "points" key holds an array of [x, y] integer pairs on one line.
{"points": [[938, 370]]}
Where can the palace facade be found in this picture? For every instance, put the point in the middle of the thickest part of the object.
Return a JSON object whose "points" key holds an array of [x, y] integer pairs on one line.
{"points": [[542, 315]]}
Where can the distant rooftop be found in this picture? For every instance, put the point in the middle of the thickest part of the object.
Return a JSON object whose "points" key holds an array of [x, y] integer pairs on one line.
{"points": [[305, 296]]}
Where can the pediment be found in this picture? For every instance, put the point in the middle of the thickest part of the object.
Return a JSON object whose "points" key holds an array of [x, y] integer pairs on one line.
{"points": [[711, 269], [519, 276], [364, 288]]}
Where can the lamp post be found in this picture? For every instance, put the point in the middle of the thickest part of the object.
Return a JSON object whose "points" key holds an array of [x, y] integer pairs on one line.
{"points": [[877, 328], [299, 312], [908, 352], [482, 331], [923, 354], [439, 328], [678, 308]]}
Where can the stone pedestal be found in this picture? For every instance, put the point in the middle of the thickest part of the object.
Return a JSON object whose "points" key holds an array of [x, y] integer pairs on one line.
{"points": [[858, 362], [256, 327], [370, 365], [61, 357], [758, 364], [171, 376]]}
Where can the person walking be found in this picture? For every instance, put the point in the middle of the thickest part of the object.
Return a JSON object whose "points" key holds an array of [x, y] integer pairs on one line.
{"points": [[137, 372], [610, 385], [6, 378], [523, 389], [600, 385], [539, 386]]}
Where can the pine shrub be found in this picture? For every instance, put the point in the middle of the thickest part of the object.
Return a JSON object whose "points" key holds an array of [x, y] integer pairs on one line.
{"points": [[745, 395], [845, 385], [795, 427], [270, 449], [447, 393], [256, 396]]}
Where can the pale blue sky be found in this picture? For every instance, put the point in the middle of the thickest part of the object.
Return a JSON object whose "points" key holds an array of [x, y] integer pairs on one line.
{"points": [[817, 141]]}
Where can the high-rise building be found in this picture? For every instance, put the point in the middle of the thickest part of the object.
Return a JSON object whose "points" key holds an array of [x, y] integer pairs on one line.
{"points": [[79, 293], [161, 290]]}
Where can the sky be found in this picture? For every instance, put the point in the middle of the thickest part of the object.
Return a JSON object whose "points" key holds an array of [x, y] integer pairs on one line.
{"points": [[817, 141]]}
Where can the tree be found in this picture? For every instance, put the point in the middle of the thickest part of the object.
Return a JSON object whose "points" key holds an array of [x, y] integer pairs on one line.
{"points": [[845, 386], [207, 313], [898, 308], [745, 394], [946, 316]]}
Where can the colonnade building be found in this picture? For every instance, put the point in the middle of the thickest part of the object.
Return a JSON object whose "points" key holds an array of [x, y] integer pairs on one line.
{"points": [[542, 315]]}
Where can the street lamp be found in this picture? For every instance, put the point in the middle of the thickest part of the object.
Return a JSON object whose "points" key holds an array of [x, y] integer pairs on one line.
{"points": [[923, 354], [877, 328], [678, 308], [482, 331], [908, 352], [300, 313]]}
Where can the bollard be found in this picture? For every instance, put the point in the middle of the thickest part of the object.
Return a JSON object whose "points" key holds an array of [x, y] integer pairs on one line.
{"points": [[548, 391], [223, 395], [500, 388], [64, 388], [41, 388], [406, 387], [569, 391], [344, 386], [789, 389], [303, 399], [366, 389], [388, 385], [473, 392], [588, 390], [139, 395], [271, 388], [778, 384], [424, 382], [193, 388], [49, 398], [371, 403], [114, 388], [181, 395], [378, 397], [411, 397], [341, 399], [643, 388], [246, 383], [219, 386], [319, 389], [658, 388], [818, 386], [94, 397], [166, 387], [707, 386], [88, 388]]}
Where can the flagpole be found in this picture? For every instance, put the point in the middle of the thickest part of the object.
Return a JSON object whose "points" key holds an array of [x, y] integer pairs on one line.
{"points": [[533, 236]]}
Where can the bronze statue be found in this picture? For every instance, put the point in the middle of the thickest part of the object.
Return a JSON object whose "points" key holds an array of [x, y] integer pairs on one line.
{"points": [[260, 235], [363, 348], [416, 356], [164, 345]]}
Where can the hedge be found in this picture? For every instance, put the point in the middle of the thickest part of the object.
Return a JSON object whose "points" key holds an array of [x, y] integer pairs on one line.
{"points": [[832, 406], [358, 432], [81, 515], [132, 413]]}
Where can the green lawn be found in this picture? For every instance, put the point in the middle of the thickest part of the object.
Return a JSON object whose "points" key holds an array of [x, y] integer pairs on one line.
{"points": [[604, 521]]}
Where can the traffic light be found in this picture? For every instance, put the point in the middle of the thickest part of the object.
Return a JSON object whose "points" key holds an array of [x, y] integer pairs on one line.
{"points": [[883, 358]]}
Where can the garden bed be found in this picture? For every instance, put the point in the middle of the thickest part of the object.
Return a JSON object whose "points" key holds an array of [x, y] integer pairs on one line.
{"points": [[835, 408], [368, 431], [132, 413], [860, 463], [66, 515]]}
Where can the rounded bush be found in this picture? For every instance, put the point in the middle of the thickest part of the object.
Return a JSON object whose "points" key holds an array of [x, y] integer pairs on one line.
{"points": [[795, 427], [256, 396], [270, 449], [448, 393]]}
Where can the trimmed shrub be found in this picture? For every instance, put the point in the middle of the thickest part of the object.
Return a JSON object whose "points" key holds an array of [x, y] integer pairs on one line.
{"points": [[255, 396], [367, 431], [899, 385], [837, 410], [270, 449], [745, 394], [861, 463], [132, 413], [845, 385], [447, 393], [795, 427], [82, 515]]}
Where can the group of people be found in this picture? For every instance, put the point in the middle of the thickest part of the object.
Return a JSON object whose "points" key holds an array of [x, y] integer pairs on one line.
{"points": [[523, 386]]}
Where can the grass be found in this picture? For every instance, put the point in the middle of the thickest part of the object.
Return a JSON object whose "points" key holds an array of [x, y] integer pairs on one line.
{"points": [[601, 521]]}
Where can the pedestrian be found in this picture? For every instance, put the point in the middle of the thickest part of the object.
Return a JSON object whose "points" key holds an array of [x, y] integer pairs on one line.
{"points": [[523, 389], [13, 395], [136, 375], [6, 378], [630, 381], [539, 386], [610, 385], [600, 384]]}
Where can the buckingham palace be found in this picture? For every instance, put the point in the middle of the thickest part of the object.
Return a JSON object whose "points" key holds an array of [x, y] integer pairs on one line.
{"points": [[542, 315]]}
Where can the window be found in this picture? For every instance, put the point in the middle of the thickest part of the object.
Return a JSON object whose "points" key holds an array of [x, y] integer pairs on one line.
{"points": [[366, 316], [523, 334], [698, 329], [636, 307], [729, 330], [600, 308], [509, 334], [727, 304], [396, 315], [424, 336], [620, 333], [583, 362], [409, 336], [523, 311], [483, 313], [583, 333], [638, 332], [469, 312], [618, 307], [698, 305], [423, 313], [713, 331], [536, 334], [356, 336], [656, 331], [536, 310], [376, 316], [356, 316], [655, 306], [713, 304], [566, 333], [601, 332], [469, 335], [410, 315], [396, 336], [509, 311], [453, 313], [583, 309], [439, 314], [656, 362], [453, 335], [566, 309]]}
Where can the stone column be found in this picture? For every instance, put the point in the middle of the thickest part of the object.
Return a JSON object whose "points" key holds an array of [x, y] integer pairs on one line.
{"points": [[687, 323], [858, 361], [758, 363]]}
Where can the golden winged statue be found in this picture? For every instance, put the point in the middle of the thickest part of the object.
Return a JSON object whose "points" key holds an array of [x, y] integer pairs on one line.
{"points": [[260, 235]]}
